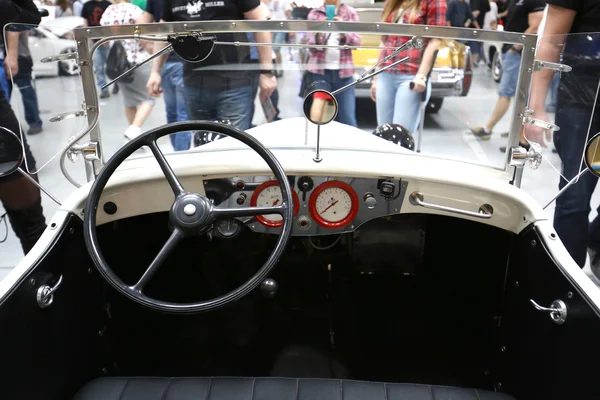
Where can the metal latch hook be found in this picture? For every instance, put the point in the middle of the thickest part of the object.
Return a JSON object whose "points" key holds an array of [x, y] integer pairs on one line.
{"points": [[45, 294], [557, 310]]}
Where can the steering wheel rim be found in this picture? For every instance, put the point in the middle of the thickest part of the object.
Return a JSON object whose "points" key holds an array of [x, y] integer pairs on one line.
{"points": [[198, 223]]}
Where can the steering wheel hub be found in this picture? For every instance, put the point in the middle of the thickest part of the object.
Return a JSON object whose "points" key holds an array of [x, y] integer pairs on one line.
{"points": [[190, 211]]}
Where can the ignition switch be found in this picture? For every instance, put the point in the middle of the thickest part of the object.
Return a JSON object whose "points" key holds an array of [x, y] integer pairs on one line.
{"points": [[386, 188]]}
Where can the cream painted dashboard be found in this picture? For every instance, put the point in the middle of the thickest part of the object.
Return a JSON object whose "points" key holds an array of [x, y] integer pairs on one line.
{"points": [[138, 187]]}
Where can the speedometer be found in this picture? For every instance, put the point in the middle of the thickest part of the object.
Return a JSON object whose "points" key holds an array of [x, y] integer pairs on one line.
{"points": [[269, 194], [333, 204]]}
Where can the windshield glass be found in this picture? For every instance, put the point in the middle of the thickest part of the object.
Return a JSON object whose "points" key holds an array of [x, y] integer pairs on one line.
{"points": [[45, 87], [226, 87]]}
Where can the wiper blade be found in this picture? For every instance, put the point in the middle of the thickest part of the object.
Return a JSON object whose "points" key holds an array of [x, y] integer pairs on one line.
{"points": [[365, 77], [414, 43]]}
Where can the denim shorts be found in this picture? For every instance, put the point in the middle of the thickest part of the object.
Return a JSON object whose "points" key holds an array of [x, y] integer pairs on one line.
{"points": [[511, 62], [278, 38]]}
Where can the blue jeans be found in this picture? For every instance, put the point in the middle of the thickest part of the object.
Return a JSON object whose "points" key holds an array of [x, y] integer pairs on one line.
{"points": [[346, 99], [4, 82], [28, 94], [396, 103], [172, 84], [552, 93], [228, 104], [571, 217], [99, 60]]}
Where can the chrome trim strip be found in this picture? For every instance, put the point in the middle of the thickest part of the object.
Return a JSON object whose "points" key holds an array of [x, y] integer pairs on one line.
{"points": [[563, 260], [15, 277]]}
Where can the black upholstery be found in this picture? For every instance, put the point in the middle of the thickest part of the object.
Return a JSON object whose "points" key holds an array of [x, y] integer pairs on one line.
{"points": [[271, 389]]}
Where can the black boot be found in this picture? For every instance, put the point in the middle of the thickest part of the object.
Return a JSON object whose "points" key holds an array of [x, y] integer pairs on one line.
{"points": [[28, 224]]}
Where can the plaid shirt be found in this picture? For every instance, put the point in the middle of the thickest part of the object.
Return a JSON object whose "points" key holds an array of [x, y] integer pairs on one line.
{"points": [[317, 56], [432, 12]]}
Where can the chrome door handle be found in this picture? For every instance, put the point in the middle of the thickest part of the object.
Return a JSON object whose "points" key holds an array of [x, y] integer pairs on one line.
{"points": [[45, 294], [417, 199], [557, 310]]}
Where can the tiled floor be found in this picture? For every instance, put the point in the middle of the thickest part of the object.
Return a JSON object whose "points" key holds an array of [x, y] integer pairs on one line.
{"points": [[443, 135]]}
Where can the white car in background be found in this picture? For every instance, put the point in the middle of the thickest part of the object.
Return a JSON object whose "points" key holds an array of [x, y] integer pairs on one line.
{"points": [[51, 38]]}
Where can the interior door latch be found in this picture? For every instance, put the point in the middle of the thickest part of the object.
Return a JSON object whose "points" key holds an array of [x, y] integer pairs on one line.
{"points": [[45, 294], [557, 310]]}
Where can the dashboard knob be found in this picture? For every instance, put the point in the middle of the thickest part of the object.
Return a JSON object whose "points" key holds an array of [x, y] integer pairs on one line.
{"points": [[303, 222], [370, 201]]}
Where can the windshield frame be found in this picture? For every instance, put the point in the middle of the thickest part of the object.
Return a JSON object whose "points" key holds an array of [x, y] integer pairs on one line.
{"points": [[512, 171]]}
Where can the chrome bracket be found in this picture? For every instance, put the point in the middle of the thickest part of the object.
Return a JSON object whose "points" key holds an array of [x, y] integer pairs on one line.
{"points": [[538, 65], [519, 155], [527, 119], [68, 115], [61, 57], [557, 310], [89, 150], [45, 294]]}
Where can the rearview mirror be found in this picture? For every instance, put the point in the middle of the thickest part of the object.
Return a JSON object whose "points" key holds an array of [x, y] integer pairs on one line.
{"points": [[320, 107], [192, 48], [11, 152], [592, 155]]}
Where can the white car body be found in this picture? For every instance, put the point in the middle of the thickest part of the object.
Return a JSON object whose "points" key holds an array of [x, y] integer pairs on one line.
{"points": [[50, 39]]}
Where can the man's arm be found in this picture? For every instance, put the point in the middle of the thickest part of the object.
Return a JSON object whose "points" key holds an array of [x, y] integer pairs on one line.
{"points": [[155, 80], [267, 83], [11, 62], [145, 18], [557, 23], [450, 12]]}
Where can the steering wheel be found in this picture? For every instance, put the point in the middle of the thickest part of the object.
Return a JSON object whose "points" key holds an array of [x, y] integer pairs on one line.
{"points": [[191, 214]]}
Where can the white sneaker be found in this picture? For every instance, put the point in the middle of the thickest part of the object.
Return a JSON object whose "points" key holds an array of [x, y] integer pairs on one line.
{"points": [[132, 132]]}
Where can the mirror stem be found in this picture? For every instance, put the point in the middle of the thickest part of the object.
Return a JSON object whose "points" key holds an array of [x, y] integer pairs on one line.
{"points": [[167, 49], [26, 175], [318, 158], [571, 182], [359, 80]]}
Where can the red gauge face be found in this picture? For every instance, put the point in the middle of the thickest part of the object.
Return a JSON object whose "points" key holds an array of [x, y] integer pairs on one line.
{"points": [[333, 204], [269, 194]]}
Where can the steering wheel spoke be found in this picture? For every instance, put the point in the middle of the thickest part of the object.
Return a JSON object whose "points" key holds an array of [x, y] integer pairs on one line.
{"points": [[248, 211], [166, 168], [160, 258]]}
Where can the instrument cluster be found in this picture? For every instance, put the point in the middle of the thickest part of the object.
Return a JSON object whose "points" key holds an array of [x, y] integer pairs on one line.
{"points": [[322, 205]]}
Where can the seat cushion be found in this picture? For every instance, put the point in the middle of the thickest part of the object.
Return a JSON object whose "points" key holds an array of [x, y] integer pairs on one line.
{"points": [[271, 389]]}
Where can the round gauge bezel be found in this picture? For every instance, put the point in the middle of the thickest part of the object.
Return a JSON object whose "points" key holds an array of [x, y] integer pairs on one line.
{"points": [[312, 204], [263, 220]]}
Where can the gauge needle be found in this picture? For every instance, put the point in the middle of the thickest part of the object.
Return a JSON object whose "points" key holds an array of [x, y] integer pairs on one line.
{"points": [[275, 202], [329, 206]]}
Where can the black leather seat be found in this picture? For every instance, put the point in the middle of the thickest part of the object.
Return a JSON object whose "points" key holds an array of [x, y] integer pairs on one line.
{"points": [[271, 389]]}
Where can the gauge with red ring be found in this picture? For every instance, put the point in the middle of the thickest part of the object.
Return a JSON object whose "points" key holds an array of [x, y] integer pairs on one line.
{"points": [[269, 189], [339, 195]]}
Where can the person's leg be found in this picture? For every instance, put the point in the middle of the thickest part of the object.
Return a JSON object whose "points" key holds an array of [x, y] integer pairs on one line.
{"points": [[130, 114], [386, 86], [511, 62], [346, 99], [142, 113], [23, 80], [200, 104], [571, 216], [99, 60], [254, 83], [234, 105], [20, 198], [407, 105], [170, 91]]}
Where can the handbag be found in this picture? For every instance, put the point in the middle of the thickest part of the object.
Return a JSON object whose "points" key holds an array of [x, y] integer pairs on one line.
{"points": [[117, 63]]}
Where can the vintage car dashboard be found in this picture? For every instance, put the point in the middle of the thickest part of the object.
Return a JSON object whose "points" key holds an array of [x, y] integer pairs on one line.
{"points": [[322, 205]]}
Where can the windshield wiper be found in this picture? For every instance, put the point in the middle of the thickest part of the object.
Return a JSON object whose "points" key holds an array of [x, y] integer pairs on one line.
{"points": [[414, 43]]}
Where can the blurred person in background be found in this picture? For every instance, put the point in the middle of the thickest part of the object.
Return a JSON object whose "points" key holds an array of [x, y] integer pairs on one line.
{"points": [[138, 103], [78, 7], [335, 66], [18, 48], [92, 13], [281, 10], [576, 104], [63, 9], [479, 8], [524, 17], [459, 14], [398, 90], [20, 198], [213, 92], [172, 81]]}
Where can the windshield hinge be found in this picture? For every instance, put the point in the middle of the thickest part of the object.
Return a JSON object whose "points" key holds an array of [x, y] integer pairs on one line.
{"points": [[527, 119], [89, 150], [519, 155], [538, 65], [61, 57]]}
